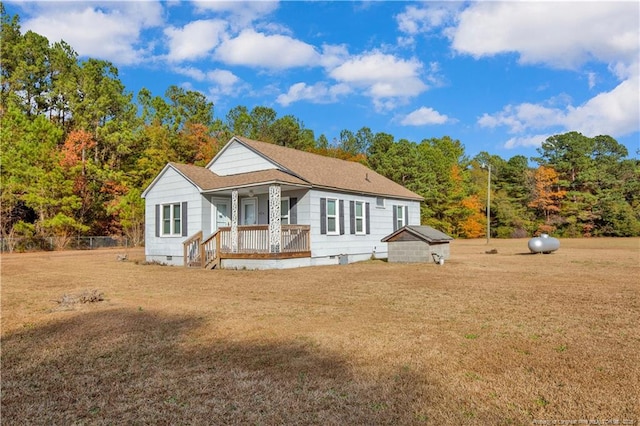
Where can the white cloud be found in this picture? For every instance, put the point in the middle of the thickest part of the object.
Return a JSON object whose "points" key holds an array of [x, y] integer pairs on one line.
{"points": [[593, 77], [530, 141], [255, 49], [333, 55], [241, 13], [424, 116], [523, 117], [317, 93], [194, 40], [110, 33], [615, 113], [223, 82], [382, 76], [560, 34], [222, 77], [191, 72], [415, 20]]}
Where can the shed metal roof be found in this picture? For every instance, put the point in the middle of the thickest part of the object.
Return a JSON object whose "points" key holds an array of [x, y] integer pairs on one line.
{"points": [[425, 233]]}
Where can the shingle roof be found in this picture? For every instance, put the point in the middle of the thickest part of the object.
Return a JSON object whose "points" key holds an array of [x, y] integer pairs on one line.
{"points": [[296, 168], [425, 233], [206, 180], [331, 173]]}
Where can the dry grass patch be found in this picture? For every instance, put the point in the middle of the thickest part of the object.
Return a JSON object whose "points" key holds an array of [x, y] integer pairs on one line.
{"points": [[506, 338]]}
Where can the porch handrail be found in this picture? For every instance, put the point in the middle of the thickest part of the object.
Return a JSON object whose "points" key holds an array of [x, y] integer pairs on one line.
{"points": [[210, 249], [192, 250]]}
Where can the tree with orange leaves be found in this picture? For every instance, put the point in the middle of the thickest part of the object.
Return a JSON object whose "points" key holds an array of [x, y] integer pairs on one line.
{"points": [[75, 148], [474, 225], [547, 194]]}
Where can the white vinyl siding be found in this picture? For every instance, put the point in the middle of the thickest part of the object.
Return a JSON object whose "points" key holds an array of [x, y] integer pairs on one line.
{"points": [[236, 159], [326, 249], [171, 188]]}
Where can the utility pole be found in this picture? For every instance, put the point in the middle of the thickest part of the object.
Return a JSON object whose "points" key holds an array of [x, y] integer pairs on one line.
{"points": [[488, 167]]}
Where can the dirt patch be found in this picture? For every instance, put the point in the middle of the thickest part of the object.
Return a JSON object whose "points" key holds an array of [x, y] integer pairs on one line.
{"points": [[506, 338]]}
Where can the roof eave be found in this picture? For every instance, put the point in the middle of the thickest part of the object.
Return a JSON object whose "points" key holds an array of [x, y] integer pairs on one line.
{"points": [[374, 194], [250, 185]]}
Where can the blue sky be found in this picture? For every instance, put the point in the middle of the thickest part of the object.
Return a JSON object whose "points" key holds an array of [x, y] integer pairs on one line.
{"points": [[499, 76]]}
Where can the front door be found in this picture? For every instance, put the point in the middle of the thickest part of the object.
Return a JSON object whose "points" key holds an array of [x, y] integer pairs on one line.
{"points": [[220, 215], [249, 208]]}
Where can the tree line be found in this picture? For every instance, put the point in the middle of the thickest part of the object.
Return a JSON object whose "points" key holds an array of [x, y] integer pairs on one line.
{"points": [[78, 149]]}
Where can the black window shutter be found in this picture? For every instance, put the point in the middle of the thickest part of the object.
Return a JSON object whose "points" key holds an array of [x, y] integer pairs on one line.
{"points": [[352, 217], [395, 218], [406, 215], [366, 213], [323, 216], [158, 220], [341, 217], [183, 214], [293, 211]]}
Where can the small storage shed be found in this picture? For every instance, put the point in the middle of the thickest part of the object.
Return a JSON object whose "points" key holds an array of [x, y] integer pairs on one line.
{"points": [[413, 244]]}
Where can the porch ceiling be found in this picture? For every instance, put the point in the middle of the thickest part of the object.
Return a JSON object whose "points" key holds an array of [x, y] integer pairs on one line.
{"points": [[254, 189]]}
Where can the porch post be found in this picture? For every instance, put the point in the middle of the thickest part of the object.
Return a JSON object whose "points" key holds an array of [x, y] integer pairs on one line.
{"points": [[234, 221], [274, 219]]}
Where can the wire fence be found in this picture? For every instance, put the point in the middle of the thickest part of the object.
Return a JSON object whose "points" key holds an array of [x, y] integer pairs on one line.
{"points": [[8, 245]]}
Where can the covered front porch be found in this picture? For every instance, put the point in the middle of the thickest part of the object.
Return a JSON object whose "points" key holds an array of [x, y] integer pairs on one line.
{"points": [[237, 234], [253, 242]]}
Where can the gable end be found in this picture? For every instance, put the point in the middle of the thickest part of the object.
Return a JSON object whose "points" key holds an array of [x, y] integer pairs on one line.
{"points": [[161, 175]]}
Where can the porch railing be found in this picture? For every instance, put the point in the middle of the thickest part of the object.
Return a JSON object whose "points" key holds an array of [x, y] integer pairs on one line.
{"points": [[192, 250], [255, 239], [252, 240], [210, 248], [295, 238]]}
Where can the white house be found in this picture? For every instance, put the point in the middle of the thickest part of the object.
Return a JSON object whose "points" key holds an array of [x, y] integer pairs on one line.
{"points": [[258, 205]]}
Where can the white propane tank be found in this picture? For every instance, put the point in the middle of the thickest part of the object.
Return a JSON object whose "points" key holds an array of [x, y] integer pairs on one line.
{"points": [[543, 244]]}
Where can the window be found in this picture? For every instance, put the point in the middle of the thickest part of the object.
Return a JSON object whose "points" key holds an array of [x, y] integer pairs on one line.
{"points": [[284, 211], [400, 216], [359, 217], [332, 216], [171, 219], [380, 202]]}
